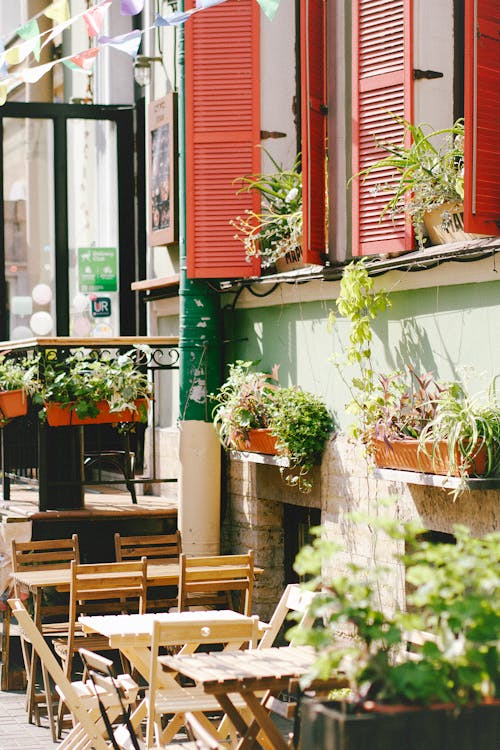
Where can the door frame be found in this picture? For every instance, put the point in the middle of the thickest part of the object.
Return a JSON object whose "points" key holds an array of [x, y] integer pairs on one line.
{"points": [[131, 263]]}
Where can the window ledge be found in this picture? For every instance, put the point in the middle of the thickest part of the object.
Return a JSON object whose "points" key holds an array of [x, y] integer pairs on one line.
{"points": [[259, 458], [436, 480]]}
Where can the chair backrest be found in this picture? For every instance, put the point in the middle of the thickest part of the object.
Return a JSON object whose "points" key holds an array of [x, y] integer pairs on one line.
{"points": [[210, 581], [87, 724], [294, 599], [104, 588], [52, 554], [190, 635], [159, 547], [203, 738]]}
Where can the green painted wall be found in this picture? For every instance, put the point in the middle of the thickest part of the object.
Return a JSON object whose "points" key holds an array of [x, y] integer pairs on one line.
{"points": [[440, 329]]}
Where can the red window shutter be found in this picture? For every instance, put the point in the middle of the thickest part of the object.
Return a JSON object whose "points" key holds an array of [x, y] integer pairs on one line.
{"points": [[313, 121], [381, 85], [222, 74], [482, 114]]}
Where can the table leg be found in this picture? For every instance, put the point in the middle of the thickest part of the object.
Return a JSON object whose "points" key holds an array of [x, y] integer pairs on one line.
{"points": [[5, 685], [263, 721]]}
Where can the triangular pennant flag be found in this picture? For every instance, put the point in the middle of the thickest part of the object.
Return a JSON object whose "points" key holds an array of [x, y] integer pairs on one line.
{"points": [[82, 62], [131, 7], [31, 30], [269, 7], [32, 75], [58, 11], [3, 66], [4, 90], [128, 43], [20, 52], [174, 19], [202, 4], [94, 18]]}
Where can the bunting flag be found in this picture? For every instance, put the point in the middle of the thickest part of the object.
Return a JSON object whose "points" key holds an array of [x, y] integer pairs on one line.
{"points": [[269, 7], [30, 31], [32, 75], [83, 62], [128, 43], [94, 18], [58, 11], [174, 19], [16, 55], [3, 66], [4, 90], [131, 7], [57, 30], [202, 4]]}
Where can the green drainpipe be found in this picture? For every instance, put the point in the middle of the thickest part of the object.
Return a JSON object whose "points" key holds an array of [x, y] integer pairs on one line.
{"points": [[199, 375]]}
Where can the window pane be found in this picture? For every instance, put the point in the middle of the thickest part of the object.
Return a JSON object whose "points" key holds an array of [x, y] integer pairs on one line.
{"points": [[29, 227]]}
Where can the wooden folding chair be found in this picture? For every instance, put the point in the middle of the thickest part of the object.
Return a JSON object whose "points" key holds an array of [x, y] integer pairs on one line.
{"points": [[52, 617], [101, 588], [165, 695], [89, 730], [160, 547], [212, 582]]}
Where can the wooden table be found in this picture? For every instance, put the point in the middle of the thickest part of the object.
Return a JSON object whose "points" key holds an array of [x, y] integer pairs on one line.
{"points": [[248, 674]]}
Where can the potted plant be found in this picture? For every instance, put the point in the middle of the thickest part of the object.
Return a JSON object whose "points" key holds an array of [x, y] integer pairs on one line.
{"points": [[444, 695], [17, 378], [253, 413], [87, 389], [274, 233], [423, 174]]}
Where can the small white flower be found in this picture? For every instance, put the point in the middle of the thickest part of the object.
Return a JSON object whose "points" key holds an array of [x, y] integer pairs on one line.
{"points": [[291, 195]]}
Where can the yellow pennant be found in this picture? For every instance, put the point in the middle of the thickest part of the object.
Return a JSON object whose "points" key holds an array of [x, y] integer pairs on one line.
{"points": [[58, 11], [4, 90]]}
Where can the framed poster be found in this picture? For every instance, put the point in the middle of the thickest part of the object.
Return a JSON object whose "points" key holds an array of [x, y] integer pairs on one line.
{"points": [[162, 170]]}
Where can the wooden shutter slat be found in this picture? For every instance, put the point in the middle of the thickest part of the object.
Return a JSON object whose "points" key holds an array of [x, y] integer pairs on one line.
{"points": [[382, 84], [482, 113], [222, 133], [313, 119]]}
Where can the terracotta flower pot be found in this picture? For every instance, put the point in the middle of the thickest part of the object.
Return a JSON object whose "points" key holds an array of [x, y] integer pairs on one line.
{"points": [[259, 441], [405, 455], [448, 228], [64, 416], [13, 404]]}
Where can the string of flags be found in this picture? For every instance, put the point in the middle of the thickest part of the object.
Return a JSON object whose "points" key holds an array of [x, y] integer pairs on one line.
{"points": [[32, 41]]}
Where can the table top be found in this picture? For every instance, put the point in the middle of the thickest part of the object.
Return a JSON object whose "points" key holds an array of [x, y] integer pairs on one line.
{"points": [[252, 669], [158, 574], [136, 626]]}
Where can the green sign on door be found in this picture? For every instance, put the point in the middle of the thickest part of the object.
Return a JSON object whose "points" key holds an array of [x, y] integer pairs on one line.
{"points": [[97, 269]]}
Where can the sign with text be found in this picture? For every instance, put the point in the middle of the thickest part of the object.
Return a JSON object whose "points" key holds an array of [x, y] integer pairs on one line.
{"points": [[101, 307], [97, 269]]}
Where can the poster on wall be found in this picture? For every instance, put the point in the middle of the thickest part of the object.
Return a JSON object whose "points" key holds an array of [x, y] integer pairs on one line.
{"points": [[162, 166]]}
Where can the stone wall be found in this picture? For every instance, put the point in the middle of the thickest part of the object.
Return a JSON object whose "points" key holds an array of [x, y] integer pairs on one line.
{"points": [[344, 483]]}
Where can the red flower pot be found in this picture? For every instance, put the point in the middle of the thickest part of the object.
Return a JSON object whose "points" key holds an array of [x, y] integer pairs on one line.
{"points": [[259, 441], [64, 416], [13, 404], [405, 455]]}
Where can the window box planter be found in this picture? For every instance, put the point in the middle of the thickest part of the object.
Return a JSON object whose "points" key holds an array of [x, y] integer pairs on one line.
{"points": [[327, 726], [405, 455], [59, 415], [13, 404], [446, 224], [260, 440]]}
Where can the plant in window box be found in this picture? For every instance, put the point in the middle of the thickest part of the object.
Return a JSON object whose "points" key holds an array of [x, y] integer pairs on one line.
{"points": [[17, 380], [423, 173], [276, 230], [445, 693], [86, 388], [253, 413]]}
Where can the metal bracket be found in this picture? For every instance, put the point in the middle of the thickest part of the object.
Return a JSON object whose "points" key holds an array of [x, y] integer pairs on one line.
{"points": [[419, 74]]}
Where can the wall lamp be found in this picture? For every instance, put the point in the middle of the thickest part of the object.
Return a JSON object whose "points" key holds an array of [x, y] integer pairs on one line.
{"points": [[142, 69]]}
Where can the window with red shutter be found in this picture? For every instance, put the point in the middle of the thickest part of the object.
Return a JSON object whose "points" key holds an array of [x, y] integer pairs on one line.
{"points": [[313, 120], [482, 113], [381, 87], [222, 71]]}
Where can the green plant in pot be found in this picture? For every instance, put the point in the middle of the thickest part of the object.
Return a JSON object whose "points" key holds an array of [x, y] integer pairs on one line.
{"points": [[422, 172], [276, 229], [18, 377], [296, 422], [452, 678], [85, 384]]}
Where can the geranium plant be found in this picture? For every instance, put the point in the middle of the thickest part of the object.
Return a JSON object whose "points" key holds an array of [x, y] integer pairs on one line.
{"points": [[277, 228]]}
